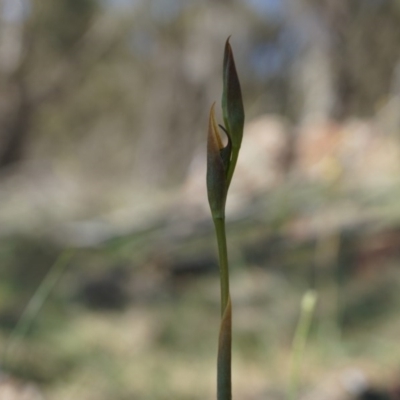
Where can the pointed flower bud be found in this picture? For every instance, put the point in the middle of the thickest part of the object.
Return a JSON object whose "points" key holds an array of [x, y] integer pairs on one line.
{"points": [[232, 103], [218, 158]]}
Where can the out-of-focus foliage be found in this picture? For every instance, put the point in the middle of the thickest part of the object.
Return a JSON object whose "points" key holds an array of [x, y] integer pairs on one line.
{"points": [[126, 85], [61, 24]]}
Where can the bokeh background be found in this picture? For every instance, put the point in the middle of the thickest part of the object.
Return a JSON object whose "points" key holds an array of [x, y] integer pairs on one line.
{"points": [[108, 266]]}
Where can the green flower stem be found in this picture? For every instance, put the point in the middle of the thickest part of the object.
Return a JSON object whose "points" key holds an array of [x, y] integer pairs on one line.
{"points": [[224, 362], [224, 374], [219, 224]]}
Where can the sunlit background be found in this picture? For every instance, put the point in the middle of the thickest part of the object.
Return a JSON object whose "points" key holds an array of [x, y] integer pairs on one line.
{"points": [[109, 283]]}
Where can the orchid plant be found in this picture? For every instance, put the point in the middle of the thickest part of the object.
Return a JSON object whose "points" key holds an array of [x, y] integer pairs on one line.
{"points": [[221, 163]]}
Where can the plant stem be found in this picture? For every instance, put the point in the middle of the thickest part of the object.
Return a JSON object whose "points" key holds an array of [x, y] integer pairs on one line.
{"points": [[224, 374], [224, 361], [223, 261]]}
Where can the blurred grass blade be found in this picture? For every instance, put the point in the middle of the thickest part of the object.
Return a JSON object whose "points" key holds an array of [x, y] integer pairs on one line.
{"points": [[308, 303], [224, 384], [36, 303]]}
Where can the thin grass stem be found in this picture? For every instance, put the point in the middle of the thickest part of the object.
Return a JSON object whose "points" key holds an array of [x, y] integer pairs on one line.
{"points": [[300, 339], [35, 304]]}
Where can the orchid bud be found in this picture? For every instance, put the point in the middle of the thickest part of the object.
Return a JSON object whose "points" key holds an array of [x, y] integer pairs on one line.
{"points": [[232, 103], [218, 158]]}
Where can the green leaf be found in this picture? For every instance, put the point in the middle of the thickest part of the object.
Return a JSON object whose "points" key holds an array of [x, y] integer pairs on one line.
{"points": [[232, 102]]}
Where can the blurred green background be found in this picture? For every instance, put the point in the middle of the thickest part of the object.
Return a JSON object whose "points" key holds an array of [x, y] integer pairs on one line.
{"points": [[108, 268]]}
